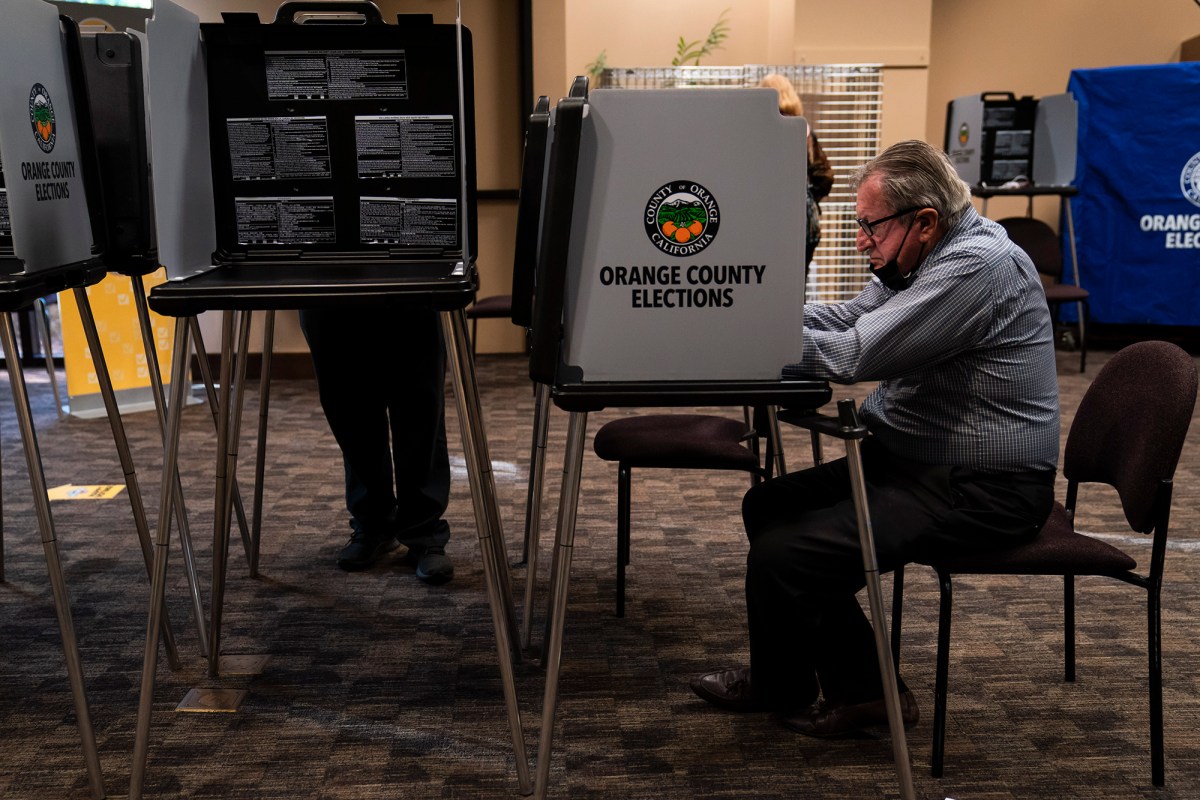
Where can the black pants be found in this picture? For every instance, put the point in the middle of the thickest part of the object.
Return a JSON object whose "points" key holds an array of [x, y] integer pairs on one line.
{"points": [[808, 634], [381, 376]]}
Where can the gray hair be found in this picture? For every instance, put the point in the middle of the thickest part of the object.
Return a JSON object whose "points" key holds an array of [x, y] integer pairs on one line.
{"points": [[914, 173]]}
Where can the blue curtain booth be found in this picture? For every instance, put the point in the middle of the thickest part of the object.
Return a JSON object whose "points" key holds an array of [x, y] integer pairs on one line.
{"points": [[1137, 214]]}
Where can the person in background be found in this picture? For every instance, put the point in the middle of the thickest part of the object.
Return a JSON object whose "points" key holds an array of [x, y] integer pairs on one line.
{"points": [[961, 459], [820, 174], [388, 417]]}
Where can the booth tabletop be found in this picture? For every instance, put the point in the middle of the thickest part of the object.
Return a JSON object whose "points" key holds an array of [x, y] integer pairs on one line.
{"points": [[19, 289], [1032, 190], [595, 396], [254, 287]]}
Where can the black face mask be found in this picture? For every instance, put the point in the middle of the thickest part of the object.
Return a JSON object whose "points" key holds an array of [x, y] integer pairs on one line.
{"points": [[889, 274]]}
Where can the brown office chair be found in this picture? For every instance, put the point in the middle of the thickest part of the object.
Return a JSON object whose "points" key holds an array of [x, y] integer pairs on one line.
{"points": [[1045, 249], [675, 441], [1128, 433]]}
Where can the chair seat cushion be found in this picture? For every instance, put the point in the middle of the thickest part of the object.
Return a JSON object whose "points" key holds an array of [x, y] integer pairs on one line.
{"points": [[497, 305], [1057, 550], [696, 441]]}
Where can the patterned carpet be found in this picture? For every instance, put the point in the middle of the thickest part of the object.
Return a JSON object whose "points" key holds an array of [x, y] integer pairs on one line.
{"points": [[381, 687]]}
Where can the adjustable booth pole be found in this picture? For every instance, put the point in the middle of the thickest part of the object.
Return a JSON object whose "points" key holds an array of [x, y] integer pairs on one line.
{"points": [[58, 585], [848, 427]]}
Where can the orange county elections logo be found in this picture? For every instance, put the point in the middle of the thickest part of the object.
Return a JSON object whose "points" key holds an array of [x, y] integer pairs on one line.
{"points": [[682, 218], [964, 133], [1189, 180], [41, 117]]}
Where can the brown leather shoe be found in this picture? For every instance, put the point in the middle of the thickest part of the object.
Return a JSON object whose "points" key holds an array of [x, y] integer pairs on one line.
{"points": [[728, 689], [829, 721]]}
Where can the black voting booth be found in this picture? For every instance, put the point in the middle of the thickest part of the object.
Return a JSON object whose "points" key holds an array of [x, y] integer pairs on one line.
{"points": [[343, 174], [577, 198]]}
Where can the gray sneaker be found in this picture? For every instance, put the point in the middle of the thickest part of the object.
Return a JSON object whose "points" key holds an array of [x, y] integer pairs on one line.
{"points": [[433, 565]]}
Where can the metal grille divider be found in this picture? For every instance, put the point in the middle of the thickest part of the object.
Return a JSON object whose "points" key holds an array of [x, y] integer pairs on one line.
{"points": [[844, 105]]}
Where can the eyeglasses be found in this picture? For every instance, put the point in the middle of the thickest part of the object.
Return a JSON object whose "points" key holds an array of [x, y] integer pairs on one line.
{"points": [[868, 225]]}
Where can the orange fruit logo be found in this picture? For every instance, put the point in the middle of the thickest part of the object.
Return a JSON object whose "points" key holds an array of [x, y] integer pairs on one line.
{"points": [[681, 218], [41, 117]]}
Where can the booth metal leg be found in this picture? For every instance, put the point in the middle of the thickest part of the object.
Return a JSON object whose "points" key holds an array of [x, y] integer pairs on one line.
{"points": [[211, 392], [260, 456], [533, 506], [180, 508], [48, 353], [122, 442], [487, 520], [220, 519], [229, 402], [162, 548], [58, 584], [887, 668], [556, 616], [776, 440]]}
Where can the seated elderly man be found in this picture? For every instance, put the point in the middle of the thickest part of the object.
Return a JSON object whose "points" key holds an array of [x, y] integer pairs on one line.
{"points": [[962, 456]]}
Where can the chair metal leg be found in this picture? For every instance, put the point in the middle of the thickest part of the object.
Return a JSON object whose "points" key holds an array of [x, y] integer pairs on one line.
{"points": [[897, 612], [560, 578], [1068, 628], [58, 584], [937, 760], [1154, 654], [624, 486], [1081, 311], [533, 506], [817, 449]]}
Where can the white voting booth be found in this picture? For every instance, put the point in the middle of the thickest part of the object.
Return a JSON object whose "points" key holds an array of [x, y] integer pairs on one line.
{"points": [[671, 273], [688, 258], [51, 241]]}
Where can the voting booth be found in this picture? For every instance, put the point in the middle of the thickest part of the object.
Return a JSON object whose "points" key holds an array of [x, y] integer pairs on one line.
{"points": [[691, 263], [325, 158], [51, 240], [673, 275], [996, 137]]}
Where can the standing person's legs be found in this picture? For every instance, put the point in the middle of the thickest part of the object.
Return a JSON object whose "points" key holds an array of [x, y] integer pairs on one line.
{"points": [[416, 409], [343, 344]]}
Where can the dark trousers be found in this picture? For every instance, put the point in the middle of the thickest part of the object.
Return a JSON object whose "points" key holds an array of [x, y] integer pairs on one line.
{"points": [[808, 633], [381, 378]]}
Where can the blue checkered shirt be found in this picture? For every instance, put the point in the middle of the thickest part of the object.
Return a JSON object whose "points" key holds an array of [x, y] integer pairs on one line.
{"points": [[964, 356]]}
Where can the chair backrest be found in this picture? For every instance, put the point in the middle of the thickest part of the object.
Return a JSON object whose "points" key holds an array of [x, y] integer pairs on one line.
{"points": [[1039, 241], [1131, 424]]}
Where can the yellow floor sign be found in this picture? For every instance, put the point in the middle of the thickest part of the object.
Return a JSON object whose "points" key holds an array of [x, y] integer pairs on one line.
{"points": [[72, 492]]}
